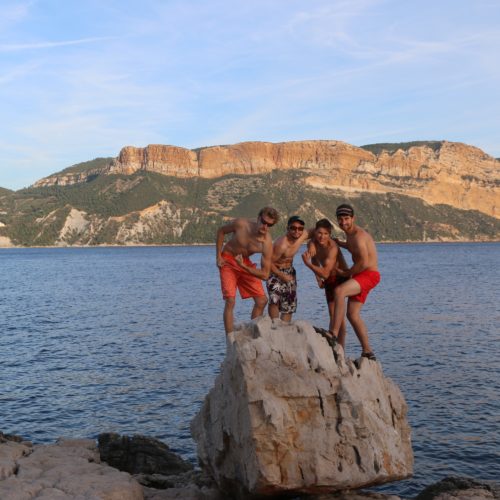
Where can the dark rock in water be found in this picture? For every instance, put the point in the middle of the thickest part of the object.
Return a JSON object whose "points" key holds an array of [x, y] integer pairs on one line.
{"points": [[140, 455], [10, 437], [460, 488], [196, 478]]}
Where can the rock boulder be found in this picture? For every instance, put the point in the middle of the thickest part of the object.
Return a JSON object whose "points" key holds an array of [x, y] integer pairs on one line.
{"points": [[288, 414]]}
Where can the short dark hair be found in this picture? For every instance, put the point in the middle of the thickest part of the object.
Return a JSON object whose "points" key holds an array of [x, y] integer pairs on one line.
{"points": [[295, 218], [325, 224], [270, 212], [344, 209]]}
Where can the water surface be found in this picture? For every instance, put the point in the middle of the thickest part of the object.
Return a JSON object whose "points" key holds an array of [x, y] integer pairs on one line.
{"points": [[130, 340]]}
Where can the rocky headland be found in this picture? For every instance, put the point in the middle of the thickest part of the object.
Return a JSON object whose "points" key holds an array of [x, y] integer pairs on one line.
{"points": [[443, 172], [160, 194]]}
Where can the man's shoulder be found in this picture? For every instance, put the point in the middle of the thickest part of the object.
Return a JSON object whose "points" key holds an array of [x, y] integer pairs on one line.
{"points": [[364, 234], [332, 247], [243, 222]]}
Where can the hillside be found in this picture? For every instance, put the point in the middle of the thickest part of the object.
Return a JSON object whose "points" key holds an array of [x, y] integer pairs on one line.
{"points": [[437, 172], [150, 208]]}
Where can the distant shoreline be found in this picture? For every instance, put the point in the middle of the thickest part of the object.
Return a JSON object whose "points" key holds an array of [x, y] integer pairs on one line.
{"points": [[158, 245]]}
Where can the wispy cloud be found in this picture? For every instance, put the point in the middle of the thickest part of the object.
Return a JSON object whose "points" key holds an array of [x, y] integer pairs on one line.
{"points": [[49, 45], [14, 12]]}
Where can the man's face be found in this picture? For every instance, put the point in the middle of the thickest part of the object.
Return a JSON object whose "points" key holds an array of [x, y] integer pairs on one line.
{"points": [[295, 230], [345, 222], [264, 224], [322, 236]]}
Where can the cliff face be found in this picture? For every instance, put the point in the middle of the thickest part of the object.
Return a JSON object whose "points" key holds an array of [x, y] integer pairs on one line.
{"points": [[455, 174]]}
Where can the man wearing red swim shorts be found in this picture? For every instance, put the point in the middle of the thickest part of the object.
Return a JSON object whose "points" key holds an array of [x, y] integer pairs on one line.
{"points": [[237, 272], [363, 276]]}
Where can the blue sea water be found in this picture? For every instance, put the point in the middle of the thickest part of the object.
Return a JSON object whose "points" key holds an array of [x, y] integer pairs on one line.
{"points": [[130, 340]]}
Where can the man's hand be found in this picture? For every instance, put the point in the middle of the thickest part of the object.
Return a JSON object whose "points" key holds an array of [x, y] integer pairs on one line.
{"points": [[341, 272], [220, 261], [239, 260], [321, 283], [311, 248], [307, 257], [287, 278]]}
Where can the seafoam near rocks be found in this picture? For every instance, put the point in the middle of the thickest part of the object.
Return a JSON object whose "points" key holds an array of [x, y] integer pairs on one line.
{"points": [[288, 414]]}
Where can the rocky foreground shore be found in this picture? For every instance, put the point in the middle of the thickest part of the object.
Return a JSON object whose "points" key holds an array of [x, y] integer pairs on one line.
{"points": [[142, 468], [289, 414]]}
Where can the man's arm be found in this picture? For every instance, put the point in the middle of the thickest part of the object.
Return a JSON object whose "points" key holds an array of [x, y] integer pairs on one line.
{"points": [[219, 241], [278, 250], [360, 252], [341, 262], [342, 244], [325, 270], [319, 281], [265, 262]]}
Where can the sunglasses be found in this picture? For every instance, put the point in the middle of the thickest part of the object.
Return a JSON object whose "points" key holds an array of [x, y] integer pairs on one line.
{"points": [[264, 223], [296, 228]]}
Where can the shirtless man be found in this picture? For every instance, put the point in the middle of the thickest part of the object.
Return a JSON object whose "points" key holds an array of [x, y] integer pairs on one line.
{"points": [[282, 283], [324, 264], [237, 271], [362, 276]]}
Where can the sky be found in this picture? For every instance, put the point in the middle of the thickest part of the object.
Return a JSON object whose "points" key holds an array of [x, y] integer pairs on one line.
{"points": [[82, 79]]}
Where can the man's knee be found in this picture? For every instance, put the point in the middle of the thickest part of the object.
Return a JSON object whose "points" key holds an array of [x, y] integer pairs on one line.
{"points": [[352, 316], [260, 302], [339, 293], [353, 313], [230, 301]]}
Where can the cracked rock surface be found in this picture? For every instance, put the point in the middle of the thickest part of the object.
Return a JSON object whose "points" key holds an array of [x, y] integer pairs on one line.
{"points": [[67, 470], [286, 414]]}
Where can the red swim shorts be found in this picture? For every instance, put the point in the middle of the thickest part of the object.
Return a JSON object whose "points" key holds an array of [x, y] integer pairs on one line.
{"points": [[233, 277], [367, 280]]}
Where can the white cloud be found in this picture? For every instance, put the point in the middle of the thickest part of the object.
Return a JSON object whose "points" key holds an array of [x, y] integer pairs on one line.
{"points": [[50, 45]]}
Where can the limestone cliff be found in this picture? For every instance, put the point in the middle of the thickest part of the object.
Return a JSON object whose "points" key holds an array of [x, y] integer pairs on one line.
{"points": [[453, 174]]}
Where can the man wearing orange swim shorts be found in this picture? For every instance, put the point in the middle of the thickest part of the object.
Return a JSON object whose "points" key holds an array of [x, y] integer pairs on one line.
{"points": [[236, 269], [363, 276]]}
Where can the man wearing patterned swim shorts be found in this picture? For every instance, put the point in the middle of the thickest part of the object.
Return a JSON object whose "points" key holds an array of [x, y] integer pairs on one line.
{"points": [[362, 276], [282, 283], [237, 271]]}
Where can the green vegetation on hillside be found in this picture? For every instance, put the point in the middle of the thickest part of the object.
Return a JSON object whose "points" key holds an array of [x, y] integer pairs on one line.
{"points": [[86, 165], [392, 147], [190, 210]]}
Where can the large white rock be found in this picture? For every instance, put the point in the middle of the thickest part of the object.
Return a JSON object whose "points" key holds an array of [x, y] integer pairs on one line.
{"points": [[288, 414], [67, 470]]}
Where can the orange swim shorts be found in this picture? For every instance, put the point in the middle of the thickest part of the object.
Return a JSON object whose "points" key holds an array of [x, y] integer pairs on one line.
{"points": [[233, 277], [367, 280]]}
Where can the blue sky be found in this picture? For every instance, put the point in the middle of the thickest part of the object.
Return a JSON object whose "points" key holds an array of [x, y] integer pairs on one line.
{"points": [[81, 79]]}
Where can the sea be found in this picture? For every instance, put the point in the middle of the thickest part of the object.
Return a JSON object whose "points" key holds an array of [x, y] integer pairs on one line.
{"points": [[130, 340]]}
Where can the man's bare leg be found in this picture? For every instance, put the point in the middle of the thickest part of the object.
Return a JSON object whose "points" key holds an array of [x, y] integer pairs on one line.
{"points": [[342, 330], [274, 311], [348, 289], [354, 317], [286, 317], [229, 314], [259, 306]]}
